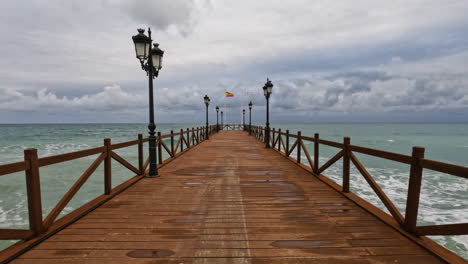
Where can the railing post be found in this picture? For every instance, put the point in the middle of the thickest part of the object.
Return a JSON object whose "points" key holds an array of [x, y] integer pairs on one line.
{"points": [[172, 143], [346, 142], [188, 137], [181, 140], [287, 143], [273, 138], [316, 153], [279, 142], [108, 167], [193, 136], [160, 159], [33, 187], [414, 190], [298, 146], [140, 154]]}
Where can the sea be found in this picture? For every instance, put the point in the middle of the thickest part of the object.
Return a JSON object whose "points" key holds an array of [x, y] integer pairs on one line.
{"points": [[444, 198]]}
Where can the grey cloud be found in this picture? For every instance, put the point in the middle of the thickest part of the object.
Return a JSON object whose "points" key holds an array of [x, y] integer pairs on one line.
{"points": [[165, 13], [331, 66]]}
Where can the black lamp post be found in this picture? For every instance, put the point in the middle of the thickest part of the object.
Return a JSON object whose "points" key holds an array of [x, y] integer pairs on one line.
{"points": [[243, 118], [222, 121], [151, 62], [250, 118], [207, 103], [217, 114], [267, 88]]}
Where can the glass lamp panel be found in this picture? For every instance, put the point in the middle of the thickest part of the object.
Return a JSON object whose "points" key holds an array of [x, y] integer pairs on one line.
{"points": [[265, 91], [269, 89], [156, 61], [147, 49], [141, 50]]}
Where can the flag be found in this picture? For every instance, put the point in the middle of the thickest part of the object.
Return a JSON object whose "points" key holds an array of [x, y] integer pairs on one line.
{"points": [[228, 94]]}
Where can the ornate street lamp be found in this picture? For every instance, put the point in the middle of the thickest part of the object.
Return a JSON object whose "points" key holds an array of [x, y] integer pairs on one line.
{"points": [[217, 114], [243, 118], [250, 118], [151, 62], [207, 103], [222, 121], [267, 88]]}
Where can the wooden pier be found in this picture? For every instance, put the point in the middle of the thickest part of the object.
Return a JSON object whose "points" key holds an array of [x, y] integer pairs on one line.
{"points": [[227, 200]]}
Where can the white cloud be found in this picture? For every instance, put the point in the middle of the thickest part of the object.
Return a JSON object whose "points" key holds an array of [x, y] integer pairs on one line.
{"points": [[110, 98]]}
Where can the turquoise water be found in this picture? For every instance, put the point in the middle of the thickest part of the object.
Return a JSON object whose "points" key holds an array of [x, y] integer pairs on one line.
{"points": [[444, 198]]}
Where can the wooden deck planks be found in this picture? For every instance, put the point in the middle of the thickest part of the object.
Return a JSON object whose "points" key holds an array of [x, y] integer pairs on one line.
{"points": [[229, 200]]}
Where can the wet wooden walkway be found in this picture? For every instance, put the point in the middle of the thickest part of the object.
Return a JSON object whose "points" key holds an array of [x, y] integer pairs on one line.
{"points": [[229, 200]]}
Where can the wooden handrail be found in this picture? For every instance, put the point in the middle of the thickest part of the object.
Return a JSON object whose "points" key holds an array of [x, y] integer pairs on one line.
{"points": [[306, 152], [346, 167], [316, 153], [331, 143], [14, 167], [7, 234], [443, 167], [33, 188], [443, 230], [298, 151], [330, 162], [107, 167], [69, 156], [140, 154], [124, 144], [72, 191], [292, 148], [32, 163], [380, 193], [124, 163], [167, 149], [159, 148], [414, 189], [145, 166], [417, 162], [382, 154]]}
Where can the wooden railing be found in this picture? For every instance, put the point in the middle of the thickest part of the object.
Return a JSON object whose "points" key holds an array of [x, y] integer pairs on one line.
{"points": [[232, 127], [280, 141], [31, 164]]}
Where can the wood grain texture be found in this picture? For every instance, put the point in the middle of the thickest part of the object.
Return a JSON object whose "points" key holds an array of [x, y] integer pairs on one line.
{"points": [[230, 200]]}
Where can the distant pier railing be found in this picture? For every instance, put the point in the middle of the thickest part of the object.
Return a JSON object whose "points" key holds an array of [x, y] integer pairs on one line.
{"points": [[285, 143], [232, 127], [186, 139]]}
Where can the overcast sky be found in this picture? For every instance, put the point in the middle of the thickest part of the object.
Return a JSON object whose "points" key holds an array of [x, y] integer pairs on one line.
{"points": [[329, 61]]}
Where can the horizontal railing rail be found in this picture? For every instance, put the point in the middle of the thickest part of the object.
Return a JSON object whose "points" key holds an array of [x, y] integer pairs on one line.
{"points": [[232, 126], [346, 152], [31, 165]]}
